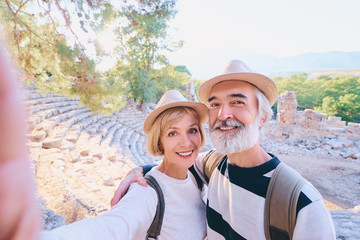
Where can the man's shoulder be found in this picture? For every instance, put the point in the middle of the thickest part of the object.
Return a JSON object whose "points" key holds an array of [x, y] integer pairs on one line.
{"points": [[202, 155], [309, 193]]}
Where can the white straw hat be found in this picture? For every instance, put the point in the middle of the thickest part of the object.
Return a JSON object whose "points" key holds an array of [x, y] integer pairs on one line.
{"points": [[237, 70], [174, 98]]}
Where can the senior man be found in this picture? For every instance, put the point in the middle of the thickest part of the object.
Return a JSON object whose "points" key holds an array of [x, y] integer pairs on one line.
{"points": [[239, 103]]}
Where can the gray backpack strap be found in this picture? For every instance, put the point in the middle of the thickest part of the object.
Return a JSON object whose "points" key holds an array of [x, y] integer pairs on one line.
{"points": [[281, 201], [211, 160], [155, 227]]}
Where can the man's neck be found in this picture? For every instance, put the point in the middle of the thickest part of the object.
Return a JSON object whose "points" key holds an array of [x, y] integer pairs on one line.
{"points": [[251, 157]]}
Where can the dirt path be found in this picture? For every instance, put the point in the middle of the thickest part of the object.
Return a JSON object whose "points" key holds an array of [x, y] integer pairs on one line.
{"points": [[337, 179]]}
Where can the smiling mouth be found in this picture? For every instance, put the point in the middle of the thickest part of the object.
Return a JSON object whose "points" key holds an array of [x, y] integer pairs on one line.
{"points": [[225, 128], [185, 154]]}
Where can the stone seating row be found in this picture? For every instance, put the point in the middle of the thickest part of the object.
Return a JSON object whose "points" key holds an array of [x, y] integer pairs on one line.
{"points": [[58, 121]]}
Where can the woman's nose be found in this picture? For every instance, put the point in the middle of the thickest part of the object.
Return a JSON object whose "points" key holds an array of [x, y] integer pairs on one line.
{"points": [[185, 141]]}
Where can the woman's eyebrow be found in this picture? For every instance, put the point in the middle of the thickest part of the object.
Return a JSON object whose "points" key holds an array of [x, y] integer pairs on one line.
{"points": [[191, 125]]}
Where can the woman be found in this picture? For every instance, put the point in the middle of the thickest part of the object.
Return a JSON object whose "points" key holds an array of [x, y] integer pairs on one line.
{"points": [[174, 131]]}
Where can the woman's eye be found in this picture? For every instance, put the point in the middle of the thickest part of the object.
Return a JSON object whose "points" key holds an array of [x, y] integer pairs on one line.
{"points": [[171, 134], [193, 130]]}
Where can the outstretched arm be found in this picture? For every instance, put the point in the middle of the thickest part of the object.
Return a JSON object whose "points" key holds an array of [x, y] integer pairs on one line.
{"points": [[135, 175], [19, 212]]}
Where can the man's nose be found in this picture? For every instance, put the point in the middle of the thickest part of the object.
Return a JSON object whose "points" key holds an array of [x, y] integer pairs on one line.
{"points": [[224, 113]]}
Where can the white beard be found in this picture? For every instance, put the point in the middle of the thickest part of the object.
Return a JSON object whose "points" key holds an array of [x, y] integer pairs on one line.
{"points": [[238, 141]]}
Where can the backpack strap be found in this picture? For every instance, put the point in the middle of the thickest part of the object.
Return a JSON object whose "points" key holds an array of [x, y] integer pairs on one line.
{"points": [[281, 201], [211, 160], [155, 227], [197, 177]]}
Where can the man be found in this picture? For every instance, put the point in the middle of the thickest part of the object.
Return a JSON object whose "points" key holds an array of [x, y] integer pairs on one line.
{"points": [[239, 104]]}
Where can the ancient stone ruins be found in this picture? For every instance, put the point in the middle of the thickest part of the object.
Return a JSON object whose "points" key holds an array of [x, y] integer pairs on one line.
{"points": [[79, 158], [312, 129]]}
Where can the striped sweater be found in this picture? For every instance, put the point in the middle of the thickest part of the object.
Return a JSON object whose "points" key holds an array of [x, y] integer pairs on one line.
{"points": [[236, 201]]}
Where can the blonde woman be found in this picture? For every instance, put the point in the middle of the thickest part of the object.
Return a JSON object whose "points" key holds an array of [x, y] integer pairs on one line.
{"points": [[174, 131]]}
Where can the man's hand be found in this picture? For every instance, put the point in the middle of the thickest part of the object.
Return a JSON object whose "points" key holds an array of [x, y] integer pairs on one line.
{"points": [[19, 210], [135, 175]]}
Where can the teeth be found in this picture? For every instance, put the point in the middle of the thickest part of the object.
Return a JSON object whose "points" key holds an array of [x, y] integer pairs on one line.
{"points": [[226, 128], [185, 153]]}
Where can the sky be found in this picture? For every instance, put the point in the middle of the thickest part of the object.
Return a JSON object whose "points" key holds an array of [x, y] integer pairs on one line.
{"points": [[217, 31]]}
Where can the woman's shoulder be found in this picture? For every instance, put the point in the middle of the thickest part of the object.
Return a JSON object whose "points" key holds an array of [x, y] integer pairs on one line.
{"points": [[138, 198], [137, 189]]}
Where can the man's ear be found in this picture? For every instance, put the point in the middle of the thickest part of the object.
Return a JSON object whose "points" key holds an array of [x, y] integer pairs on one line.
{"points": [[262, 122]]}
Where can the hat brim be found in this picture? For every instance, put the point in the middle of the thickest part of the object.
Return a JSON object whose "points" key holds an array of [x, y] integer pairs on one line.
{"points": [[200, 108], [263, 83]]}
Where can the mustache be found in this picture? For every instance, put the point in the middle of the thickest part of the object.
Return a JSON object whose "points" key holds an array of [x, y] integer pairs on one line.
{"points": [[227, 123]]}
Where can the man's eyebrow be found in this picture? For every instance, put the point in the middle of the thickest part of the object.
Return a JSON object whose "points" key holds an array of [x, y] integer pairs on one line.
{"points": [[210, 99], [240, 95]]}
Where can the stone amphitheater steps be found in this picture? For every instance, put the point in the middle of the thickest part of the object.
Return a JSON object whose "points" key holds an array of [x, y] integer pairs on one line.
{"points": [[59, 122], [93, 127], [104, 129], [34, 108], [76, 170]]}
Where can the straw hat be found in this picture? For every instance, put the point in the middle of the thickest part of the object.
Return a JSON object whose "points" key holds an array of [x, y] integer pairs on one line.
{"points": [[172, 99], [237, 70]]}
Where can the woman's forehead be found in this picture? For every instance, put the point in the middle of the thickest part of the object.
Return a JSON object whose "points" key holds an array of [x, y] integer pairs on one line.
{"points": [[186, 119]]}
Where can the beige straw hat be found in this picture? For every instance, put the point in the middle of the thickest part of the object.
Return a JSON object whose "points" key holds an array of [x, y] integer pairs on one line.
{"points": [[237, 70], [170, 99]]}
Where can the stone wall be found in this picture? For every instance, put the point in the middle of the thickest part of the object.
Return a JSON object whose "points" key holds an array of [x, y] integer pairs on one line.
{"points": [[311, 123]]}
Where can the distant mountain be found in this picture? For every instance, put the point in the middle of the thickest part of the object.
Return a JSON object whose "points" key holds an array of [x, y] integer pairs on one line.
{"points": [[307, 62], [205, 67]]}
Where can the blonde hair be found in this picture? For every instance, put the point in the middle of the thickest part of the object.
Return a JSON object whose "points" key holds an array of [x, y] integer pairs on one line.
{"points": [[163, 122]]}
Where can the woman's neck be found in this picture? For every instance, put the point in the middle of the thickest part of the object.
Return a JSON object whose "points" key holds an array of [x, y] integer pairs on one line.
{"points": [[172, 171]]}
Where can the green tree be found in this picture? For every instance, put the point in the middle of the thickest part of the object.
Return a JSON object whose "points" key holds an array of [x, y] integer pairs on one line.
{"points": [[139, 84], [143, 39], [170, 77], [328, 106], [348, 107], [48, 49], [307, 91], [340, 86]]}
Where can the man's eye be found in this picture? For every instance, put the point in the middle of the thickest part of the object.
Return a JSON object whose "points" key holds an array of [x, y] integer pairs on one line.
{"points": [[214, 105], [238, 102]]}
